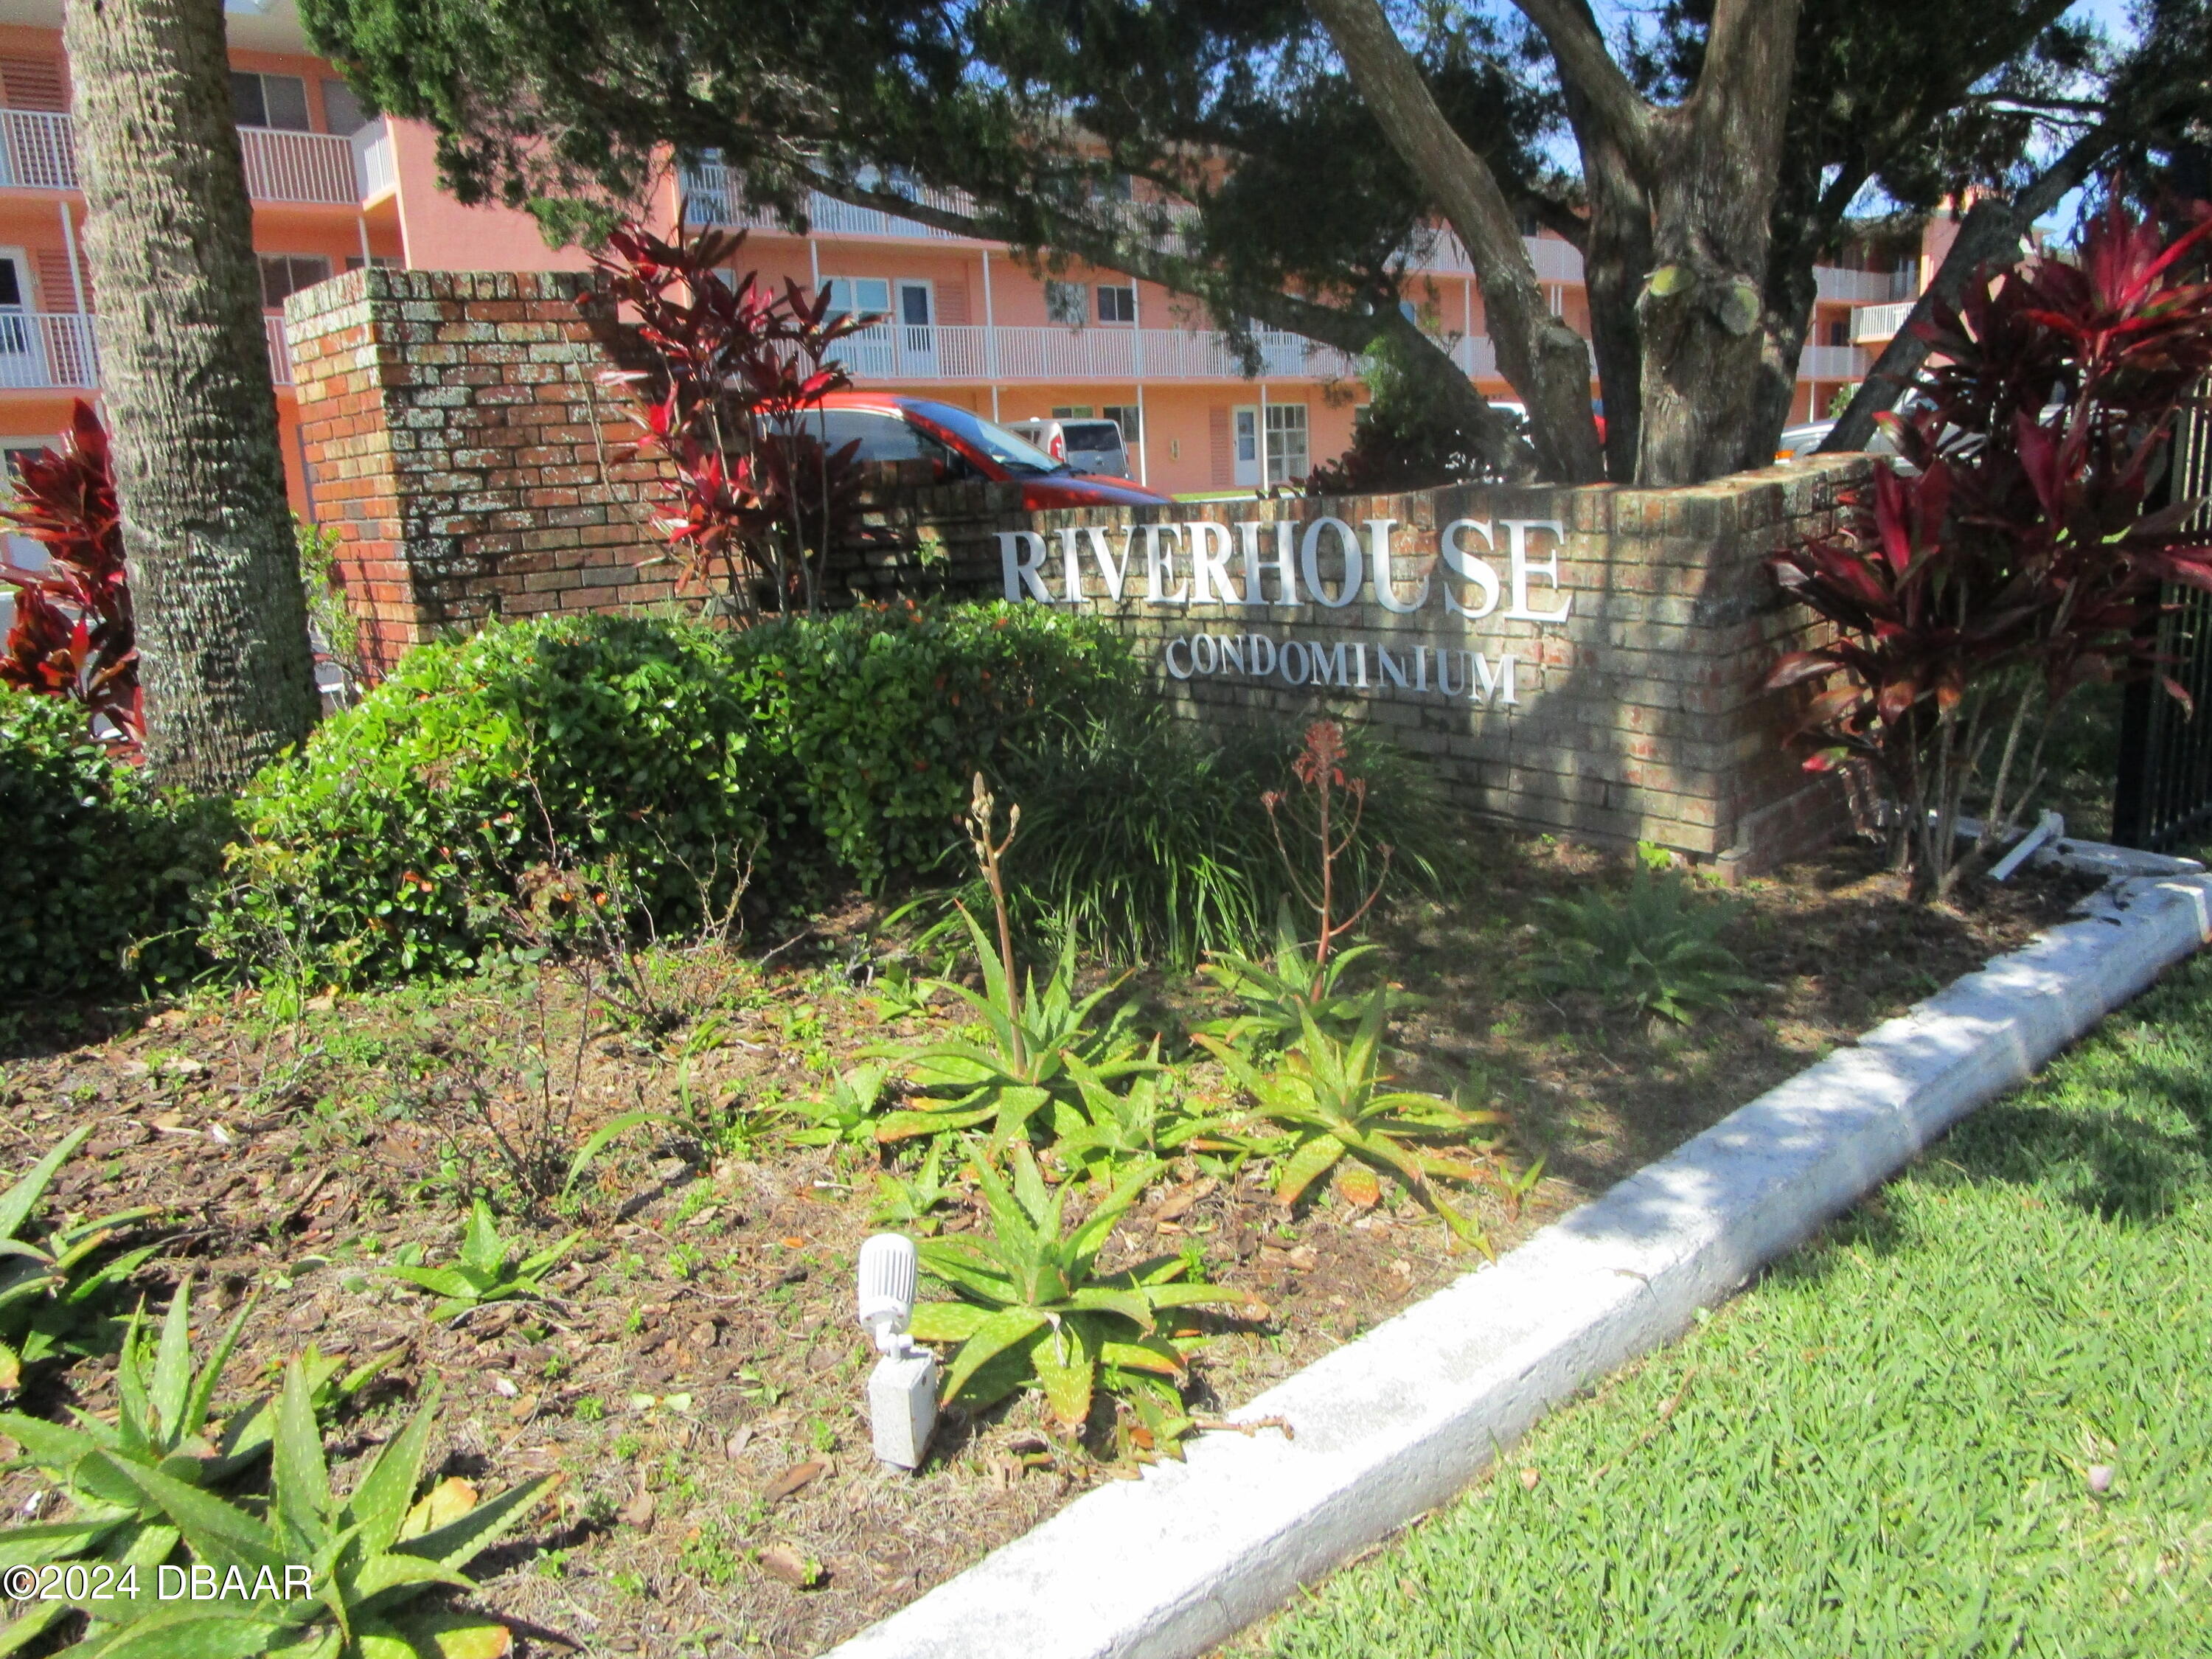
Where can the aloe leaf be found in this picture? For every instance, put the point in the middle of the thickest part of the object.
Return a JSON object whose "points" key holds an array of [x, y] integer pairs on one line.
{"points": [[449, 1635], [380, 1497], [1131, 1306], [190, 1630], [1091, 1237], [18, 1201], [1066, 1362], [537, 1266], [302, 1481], [172, 1364], [1305, 1166], [613, 1129], [401, 1569], [482, 1247], [51, 1446], [51, 1541], [947, 1321], [1155, 1354], [202, 1393], [218, 1531], [440, 1281], [460, 1541], [1001, 1331]]}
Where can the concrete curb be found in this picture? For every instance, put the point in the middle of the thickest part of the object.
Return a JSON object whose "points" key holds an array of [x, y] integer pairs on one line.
{"points": [[1397, 1422]]}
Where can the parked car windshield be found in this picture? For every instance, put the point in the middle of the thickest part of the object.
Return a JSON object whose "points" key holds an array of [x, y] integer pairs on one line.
{"points": [[1017, 455], [1091, 434]]}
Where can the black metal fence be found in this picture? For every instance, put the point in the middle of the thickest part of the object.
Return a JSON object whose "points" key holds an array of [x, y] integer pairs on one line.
{"points": [[2162, 799]]}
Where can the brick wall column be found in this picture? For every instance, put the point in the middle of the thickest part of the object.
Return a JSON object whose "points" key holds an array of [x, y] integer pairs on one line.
{"points": [[459, 439]]}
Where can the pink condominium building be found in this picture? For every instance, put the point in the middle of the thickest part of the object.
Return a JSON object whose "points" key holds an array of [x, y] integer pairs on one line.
{"points": [[966, 321]]}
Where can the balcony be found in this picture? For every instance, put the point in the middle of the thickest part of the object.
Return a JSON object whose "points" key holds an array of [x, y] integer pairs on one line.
{"points": [[1844, 363], [42, 350], [55, 351], [1834, 283], [897, 351], [39, 152], [1878, 325]]}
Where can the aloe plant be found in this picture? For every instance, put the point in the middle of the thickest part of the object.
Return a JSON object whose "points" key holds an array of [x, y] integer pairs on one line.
{"points": [[847, 1113], [1653, 948], [54, 1277], [1106, 1129], [1332, 1099], [364, 1557], [901, 1202], [1277, 991], [1018, 1064], [1035, 1312], [482, 1274], [161, 1422]]}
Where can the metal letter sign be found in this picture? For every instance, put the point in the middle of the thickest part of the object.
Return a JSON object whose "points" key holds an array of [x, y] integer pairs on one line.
{"points": [[1326, 565]]}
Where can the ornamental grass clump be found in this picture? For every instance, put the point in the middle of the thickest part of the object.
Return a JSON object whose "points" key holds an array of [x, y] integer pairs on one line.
{"points": [[2012, 558]]}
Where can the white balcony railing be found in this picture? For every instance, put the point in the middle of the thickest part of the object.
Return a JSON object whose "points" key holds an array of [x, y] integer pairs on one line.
{"points": [[898, 351], [1878, 325], [1834, 283], [1844, 363], [55, 350], [280, 352], [37, 151], [40, 151], [374, 165], [46, 349], [298, 166]]}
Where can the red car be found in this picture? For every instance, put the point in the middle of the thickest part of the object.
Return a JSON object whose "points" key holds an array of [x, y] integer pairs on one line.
{"points": [[961, 444]]}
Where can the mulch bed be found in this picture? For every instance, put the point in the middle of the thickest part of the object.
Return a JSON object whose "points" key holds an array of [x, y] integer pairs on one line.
{"points": [[699, 1378]]}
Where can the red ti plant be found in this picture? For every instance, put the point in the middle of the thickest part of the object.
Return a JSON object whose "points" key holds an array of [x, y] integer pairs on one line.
{"points": [[733, 401], [2009, 559], [72, 635]]}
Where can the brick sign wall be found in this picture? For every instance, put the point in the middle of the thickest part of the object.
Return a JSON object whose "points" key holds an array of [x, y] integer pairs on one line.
{"points": [[1584, 660]]}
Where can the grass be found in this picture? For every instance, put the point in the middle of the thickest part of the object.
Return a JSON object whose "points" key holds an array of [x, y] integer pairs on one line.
{"points": [[1886, 1446]]}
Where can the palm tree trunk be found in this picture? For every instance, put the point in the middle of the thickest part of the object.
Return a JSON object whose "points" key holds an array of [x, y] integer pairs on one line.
{"points": [[199, 478]]}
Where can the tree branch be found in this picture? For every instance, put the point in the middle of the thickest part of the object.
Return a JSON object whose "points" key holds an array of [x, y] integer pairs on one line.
{"points": [[1544, 361], [1991, 227], [1584, 62]]}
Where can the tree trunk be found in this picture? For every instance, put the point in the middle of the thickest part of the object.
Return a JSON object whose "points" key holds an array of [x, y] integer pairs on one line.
{"points": [[1543, 360], [199, 478], [1712, 190], [1616, 258]]}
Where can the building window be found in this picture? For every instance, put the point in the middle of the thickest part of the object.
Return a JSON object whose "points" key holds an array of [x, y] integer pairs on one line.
{"points": [[866, 296], [1287, 441], [1125, 416], [1072, 412], [285, 273], [1840, 333], [270, 101], [1064, 303], [1116, 304], [342, 112]]}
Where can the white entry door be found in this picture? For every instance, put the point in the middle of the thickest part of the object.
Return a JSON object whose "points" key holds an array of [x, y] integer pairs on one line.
{"points": [[1246, 433], [917, 324]]}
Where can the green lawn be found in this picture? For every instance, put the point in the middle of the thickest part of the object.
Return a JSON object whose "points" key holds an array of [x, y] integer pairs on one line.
{"points": [[1885, 1447]]}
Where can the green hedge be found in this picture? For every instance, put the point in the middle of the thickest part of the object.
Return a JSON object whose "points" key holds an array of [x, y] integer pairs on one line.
{"points": [[395, 843], [98, 873]]}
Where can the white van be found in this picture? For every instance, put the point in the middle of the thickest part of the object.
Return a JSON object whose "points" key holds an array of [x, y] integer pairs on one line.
{"points": [[1088, 446]]}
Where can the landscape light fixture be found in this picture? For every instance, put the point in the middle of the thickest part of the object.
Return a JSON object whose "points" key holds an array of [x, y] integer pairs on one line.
{"points": [[902, 1387]]}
